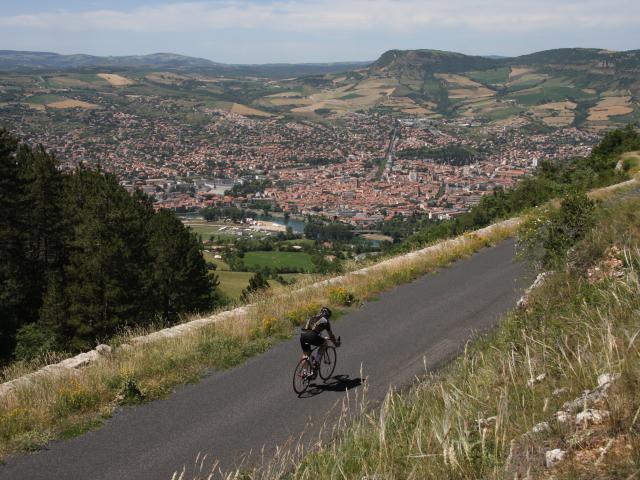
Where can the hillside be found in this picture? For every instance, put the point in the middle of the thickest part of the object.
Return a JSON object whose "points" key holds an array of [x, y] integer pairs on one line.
{"points": [[582, 87], [21, 61], [586, 88], [550, 394]]}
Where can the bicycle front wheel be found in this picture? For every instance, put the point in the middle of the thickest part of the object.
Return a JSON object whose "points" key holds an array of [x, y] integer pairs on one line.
{"points": [[328, 363], [302, 376]]}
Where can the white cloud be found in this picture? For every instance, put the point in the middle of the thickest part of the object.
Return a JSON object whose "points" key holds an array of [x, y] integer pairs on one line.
{"points": [[343, 15]]}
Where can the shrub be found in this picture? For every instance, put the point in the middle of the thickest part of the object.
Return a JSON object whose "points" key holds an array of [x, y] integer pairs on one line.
{"points": [[341, 296], [34, 340], [546, 236], [75, 397], [299, 316]]}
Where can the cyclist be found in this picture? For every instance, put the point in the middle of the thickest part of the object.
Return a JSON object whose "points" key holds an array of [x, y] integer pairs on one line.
{"points": [[310, 335]]}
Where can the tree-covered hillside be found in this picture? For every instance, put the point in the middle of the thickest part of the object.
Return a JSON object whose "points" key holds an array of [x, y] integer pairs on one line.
{"points": [[81, 259]]}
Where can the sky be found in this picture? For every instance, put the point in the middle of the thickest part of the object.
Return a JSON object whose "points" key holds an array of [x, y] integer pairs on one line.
{"points": [[296, 31]]}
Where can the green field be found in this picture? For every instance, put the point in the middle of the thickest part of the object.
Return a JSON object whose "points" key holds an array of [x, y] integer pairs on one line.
{"points": [[233, 283], [491, 77], [220, 264], [44, 99], [554, 90], [275, 260]]}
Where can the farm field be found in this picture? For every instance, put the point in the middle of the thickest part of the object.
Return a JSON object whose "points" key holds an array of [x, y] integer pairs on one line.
{"points": [[275, 260], [115, 80], [233, 283]]}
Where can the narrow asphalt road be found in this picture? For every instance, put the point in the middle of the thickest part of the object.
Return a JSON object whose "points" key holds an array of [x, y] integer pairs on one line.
{"points": [[233, 412]]}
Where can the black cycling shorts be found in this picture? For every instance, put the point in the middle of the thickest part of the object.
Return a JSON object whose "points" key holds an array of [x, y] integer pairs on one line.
{"points": [[310, 337]]}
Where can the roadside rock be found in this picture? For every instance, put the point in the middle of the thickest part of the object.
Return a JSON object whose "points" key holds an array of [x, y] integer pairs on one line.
{"points": [[554, 457], [523, 302], [541, 427], [563, 417], [487, 422], [591, 417], [538, 379], [606, 379]]}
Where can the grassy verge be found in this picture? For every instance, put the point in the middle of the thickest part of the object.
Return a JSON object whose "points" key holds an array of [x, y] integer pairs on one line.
{"points": [[73, 402], [475, 418]]}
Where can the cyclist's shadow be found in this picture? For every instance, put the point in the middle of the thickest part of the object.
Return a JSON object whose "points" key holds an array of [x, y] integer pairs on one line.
{"points": [[337, 383]]}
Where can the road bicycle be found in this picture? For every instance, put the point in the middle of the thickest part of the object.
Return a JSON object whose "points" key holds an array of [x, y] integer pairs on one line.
{"points": [[307, 369]]}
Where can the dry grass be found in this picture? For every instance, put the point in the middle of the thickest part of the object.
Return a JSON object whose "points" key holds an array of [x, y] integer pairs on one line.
{"points": [[517, 72], [116, 80], [72, 104], [608, 107], [474, 419], [248, 111]]}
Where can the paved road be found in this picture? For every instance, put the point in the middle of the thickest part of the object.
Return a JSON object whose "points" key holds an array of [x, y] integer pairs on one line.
{"points": [[232, 412]]}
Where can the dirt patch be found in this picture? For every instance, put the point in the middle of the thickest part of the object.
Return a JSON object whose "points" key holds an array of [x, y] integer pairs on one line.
{"points": [[72, 104], [248, 111], [459, 80], [166, 78], [608, 107], [517, 72], [556, 114], [115, 80], [471, 92]]}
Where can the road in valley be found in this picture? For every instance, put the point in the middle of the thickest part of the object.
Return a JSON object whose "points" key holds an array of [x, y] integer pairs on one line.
{"points": [[230, 413]]}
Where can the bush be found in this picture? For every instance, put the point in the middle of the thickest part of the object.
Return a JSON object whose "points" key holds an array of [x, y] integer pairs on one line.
{"points": [[546, 236], [300, 315], [341, 296], [34, 340]]}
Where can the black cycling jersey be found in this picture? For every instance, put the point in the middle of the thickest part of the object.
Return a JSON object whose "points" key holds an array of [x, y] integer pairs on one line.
{"points": [[317, 324]]}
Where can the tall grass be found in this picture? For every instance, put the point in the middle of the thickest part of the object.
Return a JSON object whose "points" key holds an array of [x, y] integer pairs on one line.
{"points": [[474, 419]]}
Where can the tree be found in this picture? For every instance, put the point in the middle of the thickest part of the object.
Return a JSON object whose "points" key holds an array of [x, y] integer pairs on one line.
{"points": [[108, 262], [256, 283], [47, 232], [13, 299], [179, 279]]}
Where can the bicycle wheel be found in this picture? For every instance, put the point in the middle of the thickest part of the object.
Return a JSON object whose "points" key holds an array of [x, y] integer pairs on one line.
{"points": [[302, 376], [328, 363]]}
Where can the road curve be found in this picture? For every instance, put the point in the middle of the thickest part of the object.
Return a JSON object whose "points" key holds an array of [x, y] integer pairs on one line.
{"points": [[232, 412]]}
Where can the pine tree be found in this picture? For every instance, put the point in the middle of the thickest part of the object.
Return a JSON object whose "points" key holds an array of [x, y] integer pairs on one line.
{"points": [[48, 232], [179, 279], [256, 283], [108, 261], [13, 300]]}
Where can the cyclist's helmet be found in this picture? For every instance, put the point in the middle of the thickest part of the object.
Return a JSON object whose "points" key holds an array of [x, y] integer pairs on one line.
{"points": [[325, 312]]}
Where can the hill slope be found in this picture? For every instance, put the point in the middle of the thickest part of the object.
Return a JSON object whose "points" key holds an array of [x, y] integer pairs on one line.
{"points": [[581, 87]]}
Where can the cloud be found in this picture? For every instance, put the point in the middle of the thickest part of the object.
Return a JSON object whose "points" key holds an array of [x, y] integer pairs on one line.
{"points": [[342, 15]]}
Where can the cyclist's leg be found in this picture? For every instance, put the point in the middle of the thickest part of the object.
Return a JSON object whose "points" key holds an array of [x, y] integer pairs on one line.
{"points": [[321, 343], [306, 346]]}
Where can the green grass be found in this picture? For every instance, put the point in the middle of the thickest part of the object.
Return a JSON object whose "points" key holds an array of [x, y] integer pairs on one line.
{"points": [[275, 260], [220, 264], [204, 230], [351, 96], [44, 99], [491, 77], [553, 90], [232, 283], [502, 113]]}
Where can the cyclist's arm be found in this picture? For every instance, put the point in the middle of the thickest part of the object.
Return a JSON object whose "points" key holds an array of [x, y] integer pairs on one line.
{"points": [[331, 335]]}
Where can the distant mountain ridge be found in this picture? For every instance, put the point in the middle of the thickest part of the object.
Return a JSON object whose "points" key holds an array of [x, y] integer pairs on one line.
{"points": [[12, 60], [437, 61]]}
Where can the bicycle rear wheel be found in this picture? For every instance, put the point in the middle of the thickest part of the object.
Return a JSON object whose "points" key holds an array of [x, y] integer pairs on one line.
{"points": [[302, 376], [328, 363]]}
